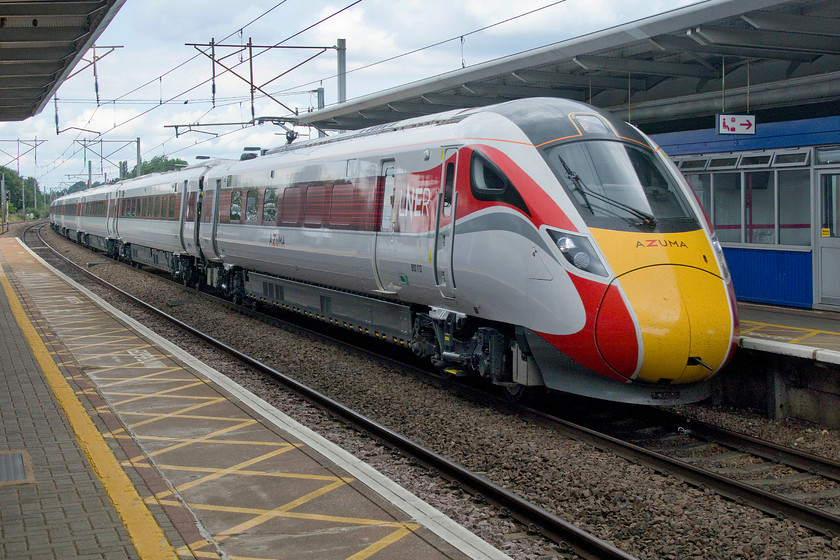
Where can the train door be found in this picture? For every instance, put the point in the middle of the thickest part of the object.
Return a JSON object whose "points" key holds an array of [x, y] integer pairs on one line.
{"points": [[118, 204], [828, 239], [110, 211], [212, 251], [444, 246], [385, 236], [183, 235]]}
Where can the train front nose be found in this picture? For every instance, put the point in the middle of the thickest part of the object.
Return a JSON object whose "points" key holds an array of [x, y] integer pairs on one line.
{"points": [[679, 327]]}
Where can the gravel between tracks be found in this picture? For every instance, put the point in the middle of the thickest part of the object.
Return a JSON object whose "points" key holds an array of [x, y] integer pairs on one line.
{"points": [[645, 514]]}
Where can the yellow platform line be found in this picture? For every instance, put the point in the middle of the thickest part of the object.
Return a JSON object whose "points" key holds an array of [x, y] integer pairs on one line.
{"points": [[146, 535]]}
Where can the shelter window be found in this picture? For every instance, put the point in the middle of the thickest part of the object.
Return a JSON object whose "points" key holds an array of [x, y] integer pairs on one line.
{"points": [[693, 164], [701, 184], [235, 206], [756, 161], [727, 206], [723, 162], [828, 155], [760, 207], [791, 159], [251, 201], [795, 207]]}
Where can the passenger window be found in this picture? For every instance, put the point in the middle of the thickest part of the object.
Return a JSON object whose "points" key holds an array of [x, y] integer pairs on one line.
{"points": [[449, 183], [235, 206], [342, 205], [292, 199], [251, 206], [317, 205], [270, 206]]}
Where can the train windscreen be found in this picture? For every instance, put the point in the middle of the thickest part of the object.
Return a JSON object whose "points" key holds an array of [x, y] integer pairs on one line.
{"points": [[621, 186]]}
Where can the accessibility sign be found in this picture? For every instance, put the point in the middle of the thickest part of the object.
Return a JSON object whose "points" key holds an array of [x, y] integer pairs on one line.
{"points": [[736, 124]]}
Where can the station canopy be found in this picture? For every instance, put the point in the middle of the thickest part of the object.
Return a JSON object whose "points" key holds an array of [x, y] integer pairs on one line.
{"points": [[41, 41], [672, 71]]}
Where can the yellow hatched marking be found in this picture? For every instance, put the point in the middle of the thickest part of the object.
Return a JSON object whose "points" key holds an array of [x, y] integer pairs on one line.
{"points": [[270, 514], [245, 472], [230, 470], [790, 335], [190, 551], [105, 382], [191, 440], [162, 394], [155, 417], [113, 332], [274, 513], [98, 342], [123, 350], [407, 529], [803, 337], [146, 535], [202, 439]]}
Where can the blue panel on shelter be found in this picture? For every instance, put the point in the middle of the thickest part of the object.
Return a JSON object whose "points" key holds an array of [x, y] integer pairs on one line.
{"points": [[772, 277], [806, 132]]}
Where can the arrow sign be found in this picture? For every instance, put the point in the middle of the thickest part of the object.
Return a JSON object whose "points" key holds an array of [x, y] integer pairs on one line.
{"points": [[736, 124]]}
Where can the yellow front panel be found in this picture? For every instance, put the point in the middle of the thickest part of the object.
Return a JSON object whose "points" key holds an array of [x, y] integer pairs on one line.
{"points": [[683, 313], [626, 251]]}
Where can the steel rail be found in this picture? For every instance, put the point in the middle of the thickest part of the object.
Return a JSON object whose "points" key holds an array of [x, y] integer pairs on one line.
{"points": [[768, 450], [536, 518], [768, 502]]}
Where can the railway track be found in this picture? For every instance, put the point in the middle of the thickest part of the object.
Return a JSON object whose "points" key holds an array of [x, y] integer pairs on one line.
{"points": [[537, 519], [780, 481]]}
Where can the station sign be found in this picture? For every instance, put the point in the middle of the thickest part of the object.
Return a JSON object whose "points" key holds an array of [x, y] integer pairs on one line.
{"points": [[729, 123]]}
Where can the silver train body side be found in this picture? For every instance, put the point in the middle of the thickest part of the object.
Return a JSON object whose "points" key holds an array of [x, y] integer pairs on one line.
{"points": [[538, 242]]}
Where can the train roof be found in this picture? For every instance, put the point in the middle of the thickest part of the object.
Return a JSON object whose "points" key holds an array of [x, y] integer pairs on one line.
{"points": [[542, 119]]}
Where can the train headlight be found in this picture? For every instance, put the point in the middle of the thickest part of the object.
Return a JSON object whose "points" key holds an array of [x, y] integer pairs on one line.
{"points": [[579, 252]]}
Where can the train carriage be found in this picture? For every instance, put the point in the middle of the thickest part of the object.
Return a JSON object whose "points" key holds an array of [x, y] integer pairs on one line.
{"points": [[538, 242]]}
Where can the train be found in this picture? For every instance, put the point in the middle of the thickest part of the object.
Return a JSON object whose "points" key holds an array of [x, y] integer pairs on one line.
{"points": [[535, 243]]}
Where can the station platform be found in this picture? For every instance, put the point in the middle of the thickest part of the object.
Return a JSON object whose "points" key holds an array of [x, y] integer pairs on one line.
{"points": [[114, 443], [803, 333]]}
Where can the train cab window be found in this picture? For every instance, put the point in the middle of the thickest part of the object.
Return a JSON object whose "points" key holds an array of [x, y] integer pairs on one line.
{"points": [[251, 206], [489, 183], [270, 206], [235, 206], [621, 186]]}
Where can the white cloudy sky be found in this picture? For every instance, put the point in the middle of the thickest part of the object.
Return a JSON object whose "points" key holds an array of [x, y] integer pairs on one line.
{"points": [[134, 80]]}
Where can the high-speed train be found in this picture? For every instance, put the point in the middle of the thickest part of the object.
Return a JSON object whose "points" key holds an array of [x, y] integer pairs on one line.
{"points": [[538, 242]]}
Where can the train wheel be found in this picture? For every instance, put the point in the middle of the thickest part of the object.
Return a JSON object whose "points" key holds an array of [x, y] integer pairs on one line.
{"points": [[515, 392]]}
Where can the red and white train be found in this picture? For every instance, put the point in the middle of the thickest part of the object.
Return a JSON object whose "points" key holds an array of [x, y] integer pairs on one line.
{"points": [[538, 242]]}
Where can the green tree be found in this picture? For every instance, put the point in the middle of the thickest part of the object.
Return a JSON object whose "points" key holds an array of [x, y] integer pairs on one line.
{"points": [[17, 186], [158, 164]]}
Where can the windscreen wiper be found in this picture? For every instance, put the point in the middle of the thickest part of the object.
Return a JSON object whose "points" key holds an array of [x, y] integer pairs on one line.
{"points": [[647, 219]]}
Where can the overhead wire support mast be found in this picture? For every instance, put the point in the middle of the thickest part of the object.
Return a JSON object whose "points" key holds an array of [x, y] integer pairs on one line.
{"points": [[92, 62], [201, 47]]}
